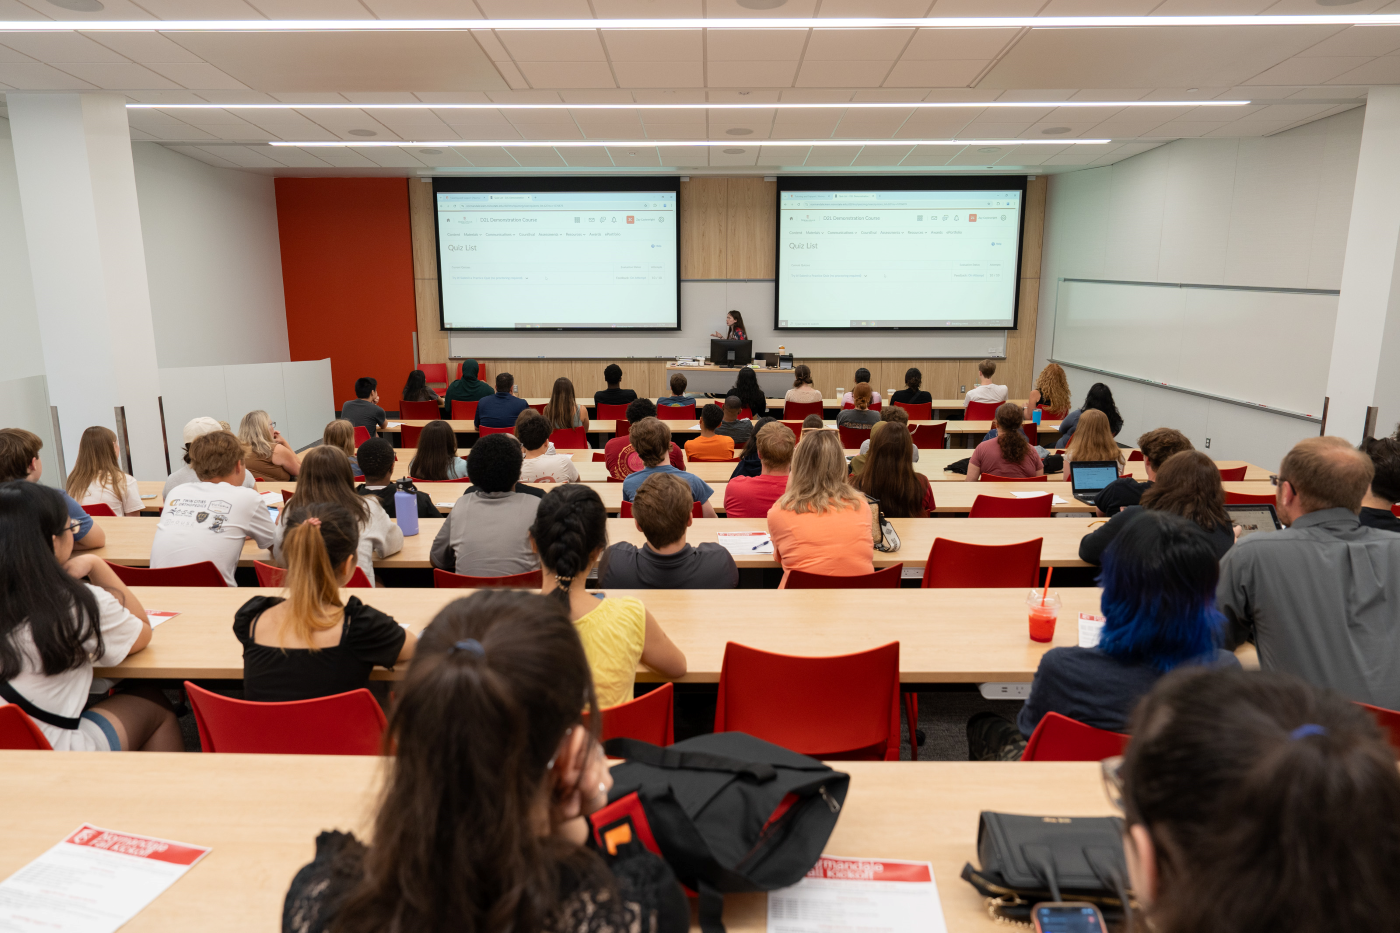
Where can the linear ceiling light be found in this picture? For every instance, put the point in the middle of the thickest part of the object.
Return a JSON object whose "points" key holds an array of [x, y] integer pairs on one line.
{"points": [[948, 22], [659, 143], [847, 105]]}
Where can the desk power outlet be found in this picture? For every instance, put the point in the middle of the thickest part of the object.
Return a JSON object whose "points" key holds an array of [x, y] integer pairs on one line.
{"points": [[1002, 691]]}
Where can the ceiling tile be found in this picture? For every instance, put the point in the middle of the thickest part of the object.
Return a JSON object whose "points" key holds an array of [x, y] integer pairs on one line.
{"points": [[184, 132], [783, 155], [641, 157], [614, 131], [527, 96], [1181, 128], [344, 158], [832, 155], [11, 55], [194, 152], [512, 76], [1358, 40], [746, 96], [986, 7], [39, 9], [422, 9], [534, 157], [494, 157], [655, 117], [244, 133], [424, 132], [935, 44], [1116, 94], [1098, 7], [683, 155], [934, 73], [381, 97], [567, 74], [1246, 128], [1307, 70], [39, 77], [660, 96], [730, 9], [146, 47], [660, 74], [930, 130], [654, 45], [844, 45], [1037, 131], [548, 131], [206, 9], [597, 95], [814, 117], [585, 158], [242, 156], [60, 47], [530, 116], [1311, 6], [849, 130], [808, 95], [1384, 70], [882, 155], [209, 117], [901, 9], [745, 155], [549, 45], [992, 130], [611, 117], [295, 158], [491, 44], [675, 130], [803, 131], [485, 132], [719, 129], [391, 158], [1037, 94], [648, 9], [1116, 129], [140, 135], [758, 116], [536, 9], [842, 74], [751, 74], [759, 45], [310, 9]]}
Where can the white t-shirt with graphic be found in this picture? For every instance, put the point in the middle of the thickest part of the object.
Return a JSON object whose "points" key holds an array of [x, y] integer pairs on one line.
{"points": [[549, 468], [208, 521]]}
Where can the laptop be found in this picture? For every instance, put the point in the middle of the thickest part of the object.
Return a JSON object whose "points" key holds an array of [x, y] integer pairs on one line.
{"points": [[1088, 479], [1254, 518]]}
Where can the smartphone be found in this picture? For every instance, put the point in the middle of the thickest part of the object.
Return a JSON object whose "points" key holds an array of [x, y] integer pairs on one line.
{"points": [[1068, 917]]}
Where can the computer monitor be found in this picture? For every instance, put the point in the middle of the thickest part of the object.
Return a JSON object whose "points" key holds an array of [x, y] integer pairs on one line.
{"points": [[731, 352]]}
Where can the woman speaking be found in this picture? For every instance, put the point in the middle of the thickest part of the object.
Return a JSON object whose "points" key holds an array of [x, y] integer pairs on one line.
{"points": [[737, 331]]}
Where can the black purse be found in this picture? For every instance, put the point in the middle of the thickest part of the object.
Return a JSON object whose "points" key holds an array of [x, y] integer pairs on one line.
{"points": [[1030, 859]]}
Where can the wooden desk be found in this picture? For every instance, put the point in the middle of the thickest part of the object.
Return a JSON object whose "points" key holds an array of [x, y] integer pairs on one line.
{"points": [[469, 427], [945, 636], [261, 815]]}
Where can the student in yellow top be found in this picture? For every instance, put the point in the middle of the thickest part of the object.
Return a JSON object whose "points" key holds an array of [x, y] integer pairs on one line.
{"points": [[709, 445], [570, 534]]}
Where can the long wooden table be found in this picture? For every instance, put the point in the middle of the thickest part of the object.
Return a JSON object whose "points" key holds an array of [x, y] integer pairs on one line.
{"points": [[945, 636], [955, 428], [261, 815], [939, 404]]}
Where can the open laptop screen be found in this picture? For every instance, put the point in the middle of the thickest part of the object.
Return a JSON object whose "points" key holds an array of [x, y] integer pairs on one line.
{"points": [[1091, 477]]}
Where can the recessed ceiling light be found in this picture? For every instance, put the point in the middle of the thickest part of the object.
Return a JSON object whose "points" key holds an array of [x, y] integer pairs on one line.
{"points": [[431, 151], [646, 143], [739, 131], [1054, 131], [81, 6], [734, 152], [362, 132]]}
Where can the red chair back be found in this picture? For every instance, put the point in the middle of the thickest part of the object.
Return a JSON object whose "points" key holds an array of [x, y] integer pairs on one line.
{"points": [[844, 707], [877, 406], [344, 724], [436, 372], [745, 412], [612, 412], [1059, 738], [981, 411], [624, 427], [1009, 507], [600, 456], [929, 436], [651, 717], [852, 438], [886, 578], [1135, 455], [203, 573], [410, 435], [959, 564], [480, 371], [485, 430], [569, 439], [994, 478], [287, 496], [530, 580], [796, 428], [20, 733], [98, 508], [1248, 498], [920, 412], [361, 435], [1387, 719], [1032, 433], [1395, 510], [796, 411], [1233, 474], [675, 412], [427, 411], [696, 511], [272, 575], [463, 411]]}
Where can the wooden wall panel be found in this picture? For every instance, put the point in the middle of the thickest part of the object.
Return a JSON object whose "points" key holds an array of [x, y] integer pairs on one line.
{"points": [[704, 228], [1020, 343], [751, 215], [432, 339]]}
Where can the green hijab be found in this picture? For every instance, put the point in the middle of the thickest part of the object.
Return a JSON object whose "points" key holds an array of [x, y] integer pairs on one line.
{"points": [[468, 388]]}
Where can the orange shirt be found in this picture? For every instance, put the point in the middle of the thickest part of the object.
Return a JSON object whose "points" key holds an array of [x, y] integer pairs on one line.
{"points": [[835, 542], [717, 447]]}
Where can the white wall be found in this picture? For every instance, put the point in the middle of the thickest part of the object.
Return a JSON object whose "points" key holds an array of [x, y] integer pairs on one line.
{"points": [[21, 352], [1268, 212]]}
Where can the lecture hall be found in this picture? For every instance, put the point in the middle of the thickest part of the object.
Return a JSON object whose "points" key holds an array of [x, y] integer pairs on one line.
{"points": [[654, 466]]}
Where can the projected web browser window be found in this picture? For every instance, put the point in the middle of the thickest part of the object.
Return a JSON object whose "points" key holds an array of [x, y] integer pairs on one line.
{"points": [[851, 259], [557, 259]]}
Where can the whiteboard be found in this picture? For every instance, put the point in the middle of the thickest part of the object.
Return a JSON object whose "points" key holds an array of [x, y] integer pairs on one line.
{"points": [[704, 304], [1261, 347]]}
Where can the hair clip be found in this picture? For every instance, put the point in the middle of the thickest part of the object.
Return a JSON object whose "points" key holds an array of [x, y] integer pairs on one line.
{"points": [[469, 645], [313, 520], [1306, 730]]}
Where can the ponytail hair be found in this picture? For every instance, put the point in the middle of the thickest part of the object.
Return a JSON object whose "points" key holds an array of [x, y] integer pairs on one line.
{"points": [[570, 526], [318, 539]]}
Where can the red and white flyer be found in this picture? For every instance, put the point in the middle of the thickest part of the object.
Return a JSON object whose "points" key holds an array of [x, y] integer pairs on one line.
{"points": [[859, 895], [92, 882]]}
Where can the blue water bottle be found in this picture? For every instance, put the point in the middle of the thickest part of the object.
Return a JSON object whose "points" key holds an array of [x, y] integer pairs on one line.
{"points": [[1035, 416], [406, 507]]}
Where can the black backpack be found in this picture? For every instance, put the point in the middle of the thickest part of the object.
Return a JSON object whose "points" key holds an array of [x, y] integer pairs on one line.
{"points": [[728, 812]]}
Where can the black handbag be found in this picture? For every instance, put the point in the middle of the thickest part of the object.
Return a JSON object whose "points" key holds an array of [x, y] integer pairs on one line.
{"points": [[1030, 859]]}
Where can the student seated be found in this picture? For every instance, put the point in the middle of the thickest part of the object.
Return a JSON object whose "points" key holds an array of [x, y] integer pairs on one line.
{"points": [[750, 395], [1093, 440], [500, 410], [364, 411], [1318, 597], [1050, 395], [1253, 802], [19, 460], [496, 764], [326, 480], [887, 415], [467, 388], [436, 460], [563, 411], [1007, 454], [661, 510], [377, 460], [821, 524], [416, 388], [266, 453], [1156, 445], [209, 519], [862, 375], [1189, 486], [749, 464], [97, 477], [310, 644], [340, 434], [802, 391], [737, 429], [710, 445], [912, 393], [613, 394], [889, 475], [1381, 495], [64, 615], [570, 534], [487, 532], [986, 390], [541, 466], [650, 439], [860, 417], [753, 496], [1159, 612], [812, 423], [196, 427], [678, 397], [1098, 398], [618, 452]]}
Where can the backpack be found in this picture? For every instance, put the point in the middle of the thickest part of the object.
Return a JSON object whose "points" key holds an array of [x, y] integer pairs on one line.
{"points": [[728, 812]]}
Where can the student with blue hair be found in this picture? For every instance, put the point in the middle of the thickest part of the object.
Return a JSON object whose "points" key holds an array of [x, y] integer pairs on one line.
{"points": [[1159, 577]]}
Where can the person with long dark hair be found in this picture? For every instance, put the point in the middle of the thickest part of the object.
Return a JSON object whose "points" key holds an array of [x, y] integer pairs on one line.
{"points": [[750, 395], [913, 392], [1007, 454], [734, 322], [563, 410], [570, 534], [62, 615], [749, 462], [889, 475], [862, 375], [1188, 484], [495, 763], [1098, 398], [436, 460], [415, 389]]}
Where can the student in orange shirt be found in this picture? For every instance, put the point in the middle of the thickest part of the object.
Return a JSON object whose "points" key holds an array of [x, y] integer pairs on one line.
{"points": [[709, 445], [821, 524]]}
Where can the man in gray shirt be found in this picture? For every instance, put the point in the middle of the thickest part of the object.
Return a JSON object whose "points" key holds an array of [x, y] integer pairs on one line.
{"points": [[487, 533], [1320, 599]]}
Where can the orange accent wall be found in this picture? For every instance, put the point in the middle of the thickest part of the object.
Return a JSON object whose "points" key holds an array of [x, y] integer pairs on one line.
{"points": [[347, 273]]}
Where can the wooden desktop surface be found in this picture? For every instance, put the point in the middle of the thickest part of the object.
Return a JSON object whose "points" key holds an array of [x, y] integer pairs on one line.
{"points": [[685, 426], [939, 404], [945, 636]]}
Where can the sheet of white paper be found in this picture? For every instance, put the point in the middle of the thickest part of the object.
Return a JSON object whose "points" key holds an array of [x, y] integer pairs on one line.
{"points": [[273, 500], [92, 882], [151, 496], [157, 616], [444, 505], [859, 895], [393, 424], [1090, 628], [740, 543], [1032, 495]]}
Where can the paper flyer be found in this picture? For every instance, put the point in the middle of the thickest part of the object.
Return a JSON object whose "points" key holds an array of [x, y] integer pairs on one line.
{"points": [[1032, 495], [157, 616], [742, 543], [859, 895], [1090, 628], [92, 882]]}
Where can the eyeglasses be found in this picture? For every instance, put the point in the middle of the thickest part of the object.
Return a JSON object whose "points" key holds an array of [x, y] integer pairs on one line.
{"points": [[1112, 769], [74, 526], [1273, 479]]}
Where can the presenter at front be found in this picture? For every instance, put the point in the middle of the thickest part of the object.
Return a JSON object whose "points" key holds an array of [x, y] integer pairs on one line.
{"points": [[737, 331]]}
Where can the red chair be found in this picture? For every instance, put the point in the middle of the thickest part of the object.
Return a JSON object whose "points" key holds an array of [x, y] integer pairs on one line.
{"points": [[796, 428], [530, 580], [1248, 498], [745, 412], [99, 509], [1059, 738], [485, 430], [1032, 432], [624, 427], [994, 478], [852, 438], [272, 575], [428, 411], [600, 456], [203, 573], [929, 436], [1387, 719], [410, 435], [480, 371], [436, 373], [612, 412], [1008, 507], [19, 733], [464, 411], [886, 578], [1233, 474], [959, 564], [675, 412], [1395, 510], [569, 439], [981, 411], [796, 411], [287, 495], [844, 707], [874, 405], [920, 412], [361, 435], [1135, 456], [696, 511], [651, 717], [344, 724]]}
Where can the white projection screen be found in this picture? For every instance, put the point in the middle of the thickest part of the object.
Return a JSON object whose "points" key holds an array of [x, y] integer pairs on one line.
{"points": [[558, 254], [898, 253]]}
